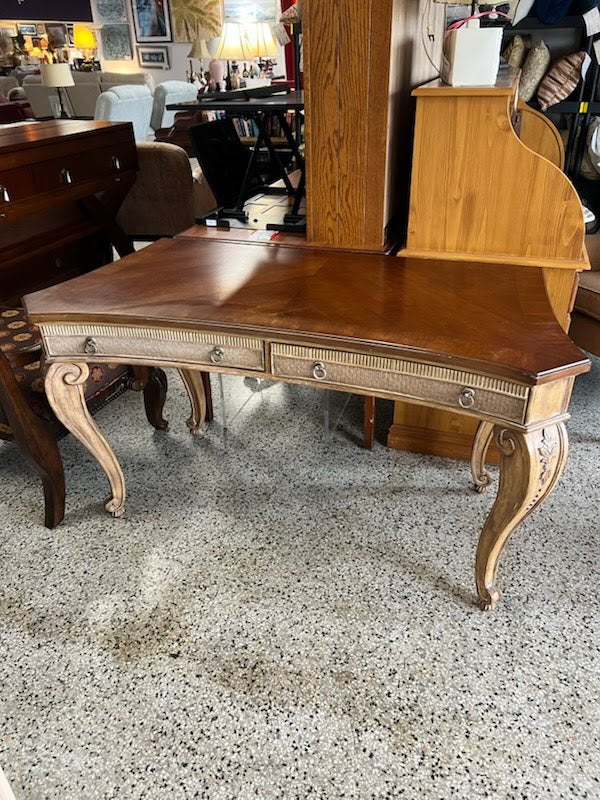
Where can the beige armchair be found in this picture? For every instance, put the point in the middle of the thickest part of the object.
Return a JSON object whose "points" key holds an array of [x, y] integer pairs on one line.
{"points": [[585, 319], [167, 195]]}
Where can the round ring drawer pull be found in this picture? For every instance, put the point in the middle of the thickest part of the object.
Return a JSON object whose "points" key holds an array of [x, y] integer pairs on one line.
{"points": [[467, 398], [319, 371], [90, 346], [217, 355]]}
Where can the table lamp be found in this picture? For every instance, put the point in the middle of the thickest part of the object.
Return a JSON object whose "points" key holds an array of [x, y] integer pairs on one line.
{"points": [[232, 45], [84, 39], [261, 42], [200, 51], [57, 76]]}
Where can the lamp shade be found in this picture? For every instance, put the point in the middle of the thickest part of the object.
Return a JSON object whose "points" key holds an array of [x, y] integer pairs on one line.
{"points": [[260, 40], [83, 37], [199, 50], [233, 43], [57, 75]]}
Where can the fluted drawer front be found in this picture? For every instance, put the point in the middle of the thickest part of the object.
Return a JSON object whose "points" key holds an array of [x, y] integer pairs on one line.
{"points": [[184, 346], [441, 385]]}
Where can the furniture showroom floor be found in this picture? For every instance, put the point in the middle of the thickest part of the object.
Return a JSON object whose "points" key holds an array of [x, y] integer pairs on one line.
{"points": [[280, 617]]}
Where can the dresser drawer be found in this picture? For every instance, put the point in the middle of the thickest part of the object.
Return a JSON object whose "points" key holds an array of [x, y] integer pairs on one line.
{"points": [[114, 159], [16, 184], [73, 168], [183, 346], [440, 385]]}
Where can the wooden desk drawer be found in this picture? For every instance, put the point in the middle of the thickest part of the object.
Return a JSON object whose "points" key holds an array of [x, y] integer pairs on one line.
{"points": [[408, 379], [16, 184], [177, 346]]}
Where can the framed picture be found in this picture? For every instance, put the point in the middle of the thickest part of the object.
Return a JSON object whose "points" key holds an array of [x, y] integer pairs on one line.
{"points": [[27, 29], [8, 30], [242, 11], [70, 36], [106, 11], [41, 28], [116, 44], [199, 20], [57, 34], [151, 20], [153, 57]]}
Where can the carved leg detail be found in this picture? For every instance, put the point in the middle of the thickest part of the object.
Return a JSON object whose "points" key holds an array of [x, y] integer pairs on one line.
{"points": [[65, 391], [192, 380], [530, 465], [483, 438]]}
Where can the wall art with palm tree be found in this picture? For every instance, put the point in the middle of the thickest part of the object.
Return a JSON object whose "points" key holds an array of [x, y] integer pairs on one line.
{"points": [[196, 19]]}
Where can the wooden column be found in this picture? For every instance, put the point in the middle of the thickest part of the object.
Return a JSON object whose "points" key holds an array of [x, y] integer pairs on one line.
{"points": [[361, 60]]}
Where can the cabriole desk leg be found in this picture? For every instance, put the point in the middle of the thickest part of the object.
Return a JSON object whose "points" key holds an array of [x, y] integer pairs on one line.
{"points": [[530, 465], [192, 380], [65, 390]]}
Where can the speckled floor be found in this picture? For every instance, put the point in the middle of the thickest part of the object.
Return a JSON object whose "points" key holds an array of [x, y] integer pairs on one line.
{"points": [[283, 617]]}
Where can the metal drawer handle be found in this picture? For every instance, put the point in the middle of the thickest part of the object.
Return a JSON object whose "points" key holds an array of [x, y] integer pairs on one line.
{"points": [[5, 194], [467, 398], [217, 355], [90, 346], [116, 162], [66, 176], [319, 371]]}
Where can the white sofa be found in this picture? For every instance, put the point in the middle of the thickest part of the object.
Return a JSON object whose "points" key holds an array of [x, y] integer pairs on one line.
{"points": [[127, 104], [166, 93]]}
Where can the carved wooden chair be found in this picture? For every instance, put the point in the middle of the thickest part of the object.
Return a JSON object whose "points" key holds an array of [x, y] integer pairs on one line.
{"points": [[25, 414]]}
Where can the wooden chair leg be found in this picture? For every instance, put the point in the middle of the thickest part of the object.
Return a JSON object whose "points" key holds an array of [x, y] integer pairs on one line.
{"points": [[208, 397], [37, 443], [369, 422], [152, 381]]}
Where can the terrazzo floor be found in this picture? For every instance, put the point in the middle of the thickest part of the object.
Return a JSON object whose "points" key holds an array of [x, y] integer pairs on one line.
{"points": [[281, 615]]}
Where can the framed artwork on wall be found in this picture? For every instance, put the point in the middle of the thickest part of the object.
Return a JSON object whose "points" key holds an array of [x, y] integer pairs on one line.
{"points": [[27, 28], [107, 11], [116, 44], [41, 29], [151, 20], [196, 19], [57, 35], [153, 57], [256, 11], [6, 29]]}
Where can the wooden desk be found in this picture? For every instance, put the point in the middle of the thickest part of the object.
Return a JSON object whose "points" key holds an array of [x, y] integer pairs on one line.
{"points": [[61, 185], [442, 333]]}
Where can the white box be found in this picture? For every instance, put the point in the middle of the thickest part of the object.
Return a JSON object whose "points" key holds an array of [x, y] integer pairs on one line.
{"points": [[471, 55]]}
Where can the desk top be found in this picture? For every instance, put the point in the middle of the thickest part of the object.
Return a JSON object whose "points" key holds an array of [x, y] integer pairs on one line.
{"points": [[489, 317], [277, 102]]}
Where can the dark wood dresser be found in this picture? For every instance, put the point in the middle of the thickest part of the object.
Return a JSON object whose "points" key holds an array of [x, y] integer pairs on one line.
{"points": [[61, 185]]}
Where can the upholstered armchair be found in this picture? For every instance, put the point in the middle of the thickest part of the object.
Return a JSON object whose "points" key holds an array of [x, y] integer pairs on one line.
{"points": [[165, 94], [128, 103], [167, 195]]}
